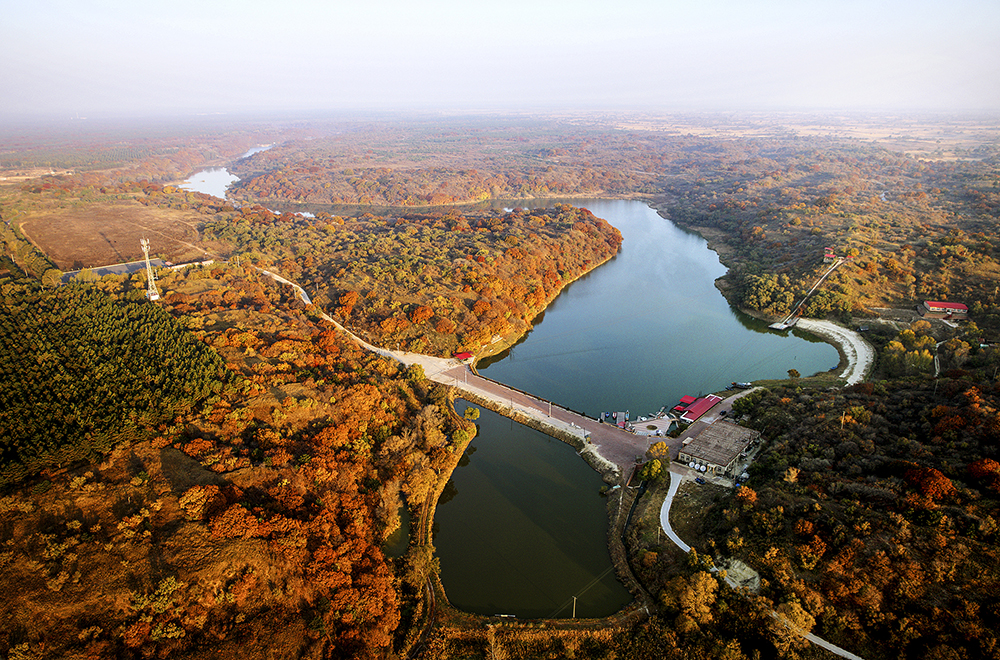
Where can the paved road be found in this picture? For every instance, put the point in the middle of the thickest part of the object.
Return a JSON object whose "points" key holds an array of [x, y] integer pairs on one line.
{"points": [[611, 443], [679, 474], [675, 482]]}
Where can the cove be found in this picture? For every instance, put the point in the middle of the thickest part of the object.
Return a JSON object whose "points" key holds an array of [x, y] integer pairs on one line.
{"points": [[215, 180], [212, 181], [522, 527]]}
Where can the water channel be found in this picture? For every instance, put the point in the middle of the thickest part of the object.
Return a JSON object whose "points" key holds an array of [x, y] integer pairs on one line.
{"points": [[521, 527]]}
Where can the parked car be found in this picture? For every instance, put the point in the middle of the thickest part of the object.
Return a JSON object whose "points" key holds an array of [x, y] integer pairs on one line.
{"points": [[699, 480]]}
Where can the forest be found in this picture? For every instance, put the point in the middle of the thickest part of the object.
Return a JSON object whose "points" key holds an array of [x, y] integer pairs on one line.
{"points": [[434, 283], [254, 518], [875, 511], [245, 501], [86, 371], [917, 220]]}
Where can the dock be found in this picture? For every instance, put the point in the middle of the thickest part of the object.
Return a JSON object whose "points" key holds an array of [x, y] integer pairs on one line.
{"points": [[784, 325]]}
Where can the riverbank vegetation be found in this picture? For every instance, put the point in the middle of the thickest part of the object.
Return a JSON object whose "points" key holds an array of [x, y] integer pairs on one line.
{"points": [[432, 283]]}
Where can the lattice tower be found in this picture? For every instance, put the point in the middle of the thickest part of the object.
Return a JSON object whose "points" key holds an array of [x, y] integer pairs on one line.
{"points": [[151, 291]]}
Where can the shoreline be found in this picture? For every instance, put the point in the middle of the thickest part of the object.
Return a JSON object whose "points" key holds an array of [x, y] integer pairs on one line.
{"points": [[858, 354], [511, 339]]}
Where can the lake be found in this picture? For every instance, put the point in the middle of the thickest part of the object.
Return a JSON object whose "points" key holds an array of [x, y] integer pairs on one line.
{"points": [[212, 181], [521, 528]]}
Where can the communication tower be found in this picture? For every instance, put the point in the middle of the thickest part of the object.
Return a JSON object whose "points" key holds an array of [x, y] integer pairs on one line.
{"points": [[151, 291]]}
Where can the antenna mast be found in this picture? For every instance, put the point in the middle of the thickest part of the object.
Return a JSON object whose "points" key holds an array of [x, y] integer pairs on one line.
{"points": [[151, 291]]}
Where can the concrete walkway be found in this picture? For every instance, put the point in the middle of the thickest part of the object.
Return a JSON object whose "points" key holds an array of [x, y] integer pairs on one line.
{"points": [[675, 482]]}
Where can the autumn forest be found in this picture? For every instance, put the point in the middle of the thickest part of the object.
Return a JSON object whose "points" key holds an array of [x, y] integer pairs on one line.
{"points": [[217, 473]]}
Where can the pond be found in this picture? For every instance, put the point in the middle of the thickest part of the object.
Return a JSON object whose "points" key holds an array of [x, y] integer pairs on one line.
{"points": [[522, 528]]}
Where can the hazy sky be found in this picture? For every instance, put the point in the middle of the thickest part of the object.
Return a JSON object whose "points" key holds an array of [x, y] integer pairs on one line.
{"points": [[91, 57]]}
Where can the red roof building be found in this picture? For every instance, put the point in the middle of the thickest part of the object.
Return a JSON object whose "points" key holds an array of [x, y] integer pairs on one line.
{"points": [[685, 402], [943, 310], [463, 356], [691, 408]]}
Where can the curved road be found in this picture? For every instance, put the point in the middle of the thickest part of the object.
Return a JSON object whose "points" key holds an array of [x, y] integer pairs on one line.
{"points": [[610, 443], [677, 475]]}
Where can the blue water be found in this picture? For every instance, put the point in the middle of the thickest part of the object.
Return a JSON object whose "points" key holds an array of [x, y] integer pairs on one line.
{"points": [[521, 529], [649, 327]]}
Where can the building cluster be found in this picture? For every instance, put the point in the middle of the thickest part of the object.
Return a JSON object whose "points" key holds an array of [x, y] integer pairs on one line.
{"points": [[717, 449]]}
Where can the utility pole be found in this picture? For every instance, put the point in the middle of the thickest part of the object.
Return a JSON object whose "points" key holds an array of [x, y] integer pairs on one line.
{"points": [[574, 607]]}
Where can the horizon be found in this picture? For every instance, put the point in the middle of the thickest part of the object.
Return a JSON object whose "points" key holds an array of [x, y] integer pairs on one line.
{"points": [[114, 59]]}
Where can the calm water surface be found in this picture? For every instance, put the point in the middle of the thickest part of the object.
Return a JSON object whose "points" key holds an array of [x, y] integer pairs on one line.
{"points": [[521, 528], [212, 181], [648, 327], [215, 180]]}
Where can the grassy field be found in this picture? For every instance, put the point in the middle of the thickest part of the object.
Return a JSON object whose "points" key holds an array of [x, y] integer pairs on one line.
{"points": [[108, 233]]}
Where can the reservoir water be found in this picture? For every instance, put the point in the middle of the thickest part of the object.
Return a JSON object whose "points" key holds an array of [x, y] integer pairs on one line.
{"points": [[637, 333], [648, 327], [522, 527], [212, 181]]}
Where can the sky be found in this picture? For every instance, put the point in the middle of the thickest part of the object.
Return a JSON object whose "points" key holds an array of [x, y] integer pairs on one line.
{"points": [[149, 57]]}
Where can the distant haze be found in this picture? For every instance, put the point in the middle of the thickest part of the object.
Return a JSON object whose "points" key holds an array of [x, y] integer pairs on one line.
{"points": [[105, 57]]}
